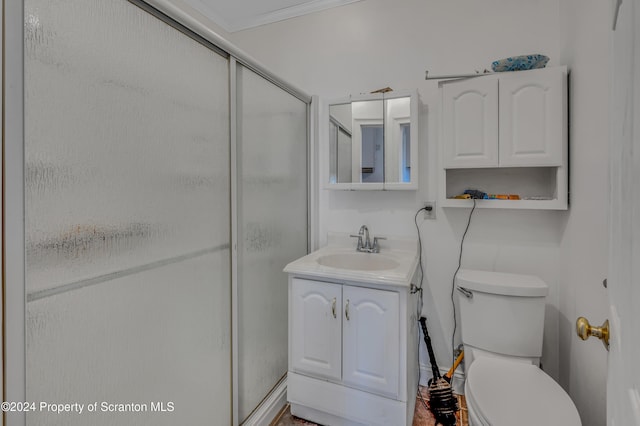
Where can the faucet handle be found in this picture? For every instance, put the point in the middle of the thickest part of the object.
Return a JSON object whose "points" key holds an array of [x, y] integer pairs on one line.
{"points": [[376, 247], [359, 237]]}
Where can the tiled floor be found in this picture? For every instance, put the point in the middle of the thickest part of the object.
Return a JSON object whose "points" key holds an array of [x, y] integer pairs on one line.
{"points": [[421, 417]]}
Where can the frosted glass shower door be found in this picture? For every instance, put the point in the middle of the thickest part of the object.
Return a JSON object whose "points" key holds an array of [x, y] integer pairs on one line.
{"points": [[127, 201], [272, 228]]}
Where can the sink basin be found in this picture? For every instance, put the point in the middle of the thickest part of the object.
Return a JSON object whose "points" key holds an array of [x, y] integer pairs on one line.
{"points": [[339, 261], [358, 261]]}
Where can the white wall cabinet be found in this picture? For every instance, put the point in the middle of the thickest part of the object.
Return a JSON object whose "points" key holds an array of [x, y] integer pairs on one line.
{"points": [[470, 123], [353, 353], [509, 130], [372, 142], [532, 117]]}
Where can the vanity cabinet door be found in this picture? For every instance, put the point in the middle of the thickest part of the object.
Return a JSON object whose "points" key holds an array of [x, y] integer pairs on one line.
{"points": [[371, 340], [532, 121], [316, 328], [470, 123]]}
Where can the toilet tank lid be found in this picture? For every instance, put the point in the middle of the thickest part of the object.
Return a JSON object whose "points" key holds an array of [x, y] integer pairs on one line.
{"points": [[501, 283]]}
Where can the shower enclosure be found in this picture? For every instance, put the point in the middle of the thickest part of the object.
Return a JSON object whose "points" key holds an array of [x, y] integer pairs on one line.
{"points": [[164, 187]]}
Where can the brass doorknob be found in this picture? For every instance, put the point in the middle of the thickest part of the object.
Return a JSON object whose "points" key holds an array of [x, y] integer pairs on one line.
{"points": [[586, 330]]}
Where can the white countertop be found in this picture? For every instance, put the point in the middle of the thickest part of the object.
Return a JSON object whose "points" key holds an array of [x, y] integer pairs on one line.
{"points": [[402, 250]]}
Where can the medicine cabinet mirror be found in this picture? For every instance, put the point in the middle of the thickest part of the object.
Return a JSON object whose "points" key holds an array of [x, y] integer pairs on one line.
{"points": [[373, 142]]}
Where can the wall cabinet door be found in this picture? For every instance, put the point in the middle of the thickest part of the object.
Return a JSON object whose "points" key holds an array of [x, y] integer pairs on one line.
{"points": [[532, 118], [470, 123], [514, 119], [371, 340], [316, 328]]}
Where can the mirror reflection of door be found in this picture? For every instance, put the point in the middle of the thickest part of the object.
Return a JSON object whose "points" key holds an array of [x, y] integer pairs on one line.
{"points": [[339, 152], [405, 155], [398, 140], [340, 146], [372, 153], [344, 155], [368, 141]]}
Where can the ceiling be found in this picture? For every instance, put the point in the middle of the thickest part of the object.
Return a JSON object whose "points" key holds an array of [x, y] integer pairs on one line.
{"points": [[236, 15]]}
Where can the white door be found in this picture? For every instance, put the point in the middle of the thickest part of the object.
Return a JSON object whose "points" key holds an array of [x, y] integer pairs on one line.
{"points": [[533, 117], [316, 328], [470, 123], [371, 340], [623, 383]]}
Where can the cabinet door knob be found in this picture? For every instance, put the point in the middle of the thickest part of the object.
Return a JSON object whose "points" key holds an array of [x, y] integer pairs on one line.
{"points": [[333, 307], [346, 310]]}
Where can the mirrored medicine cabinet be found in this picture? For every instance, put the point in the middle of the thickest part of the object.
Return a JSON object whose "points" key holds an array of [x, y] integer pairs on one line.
{"points": [[373, 142]]}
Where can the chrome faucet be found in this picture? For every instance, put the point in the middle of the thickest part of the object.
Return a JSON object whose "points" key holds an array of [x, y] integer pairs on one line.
{"points": [[365, 245]]}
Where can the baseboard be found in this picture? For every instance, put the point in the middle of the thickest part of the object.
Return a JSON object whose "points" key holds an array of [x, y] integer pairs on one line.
{"points": [[457, 384], [277, 399], [270, 407], [345, 405]]}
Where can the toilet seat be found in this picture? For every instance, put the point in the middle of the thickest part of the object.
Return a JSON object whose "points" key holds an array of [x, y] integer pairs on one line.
{"points": [[504, 393]]}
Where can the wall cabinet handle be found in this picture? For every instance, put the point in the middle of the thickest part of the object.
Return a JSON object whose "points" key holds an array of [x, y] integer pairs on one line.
{"points": [[346, 310], [333, 307]]}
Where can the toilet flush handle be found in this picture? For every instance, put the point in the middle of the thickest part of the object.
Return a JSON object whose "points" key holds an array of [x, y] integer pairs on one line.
{"points": [[466, 292], [586, 330]]}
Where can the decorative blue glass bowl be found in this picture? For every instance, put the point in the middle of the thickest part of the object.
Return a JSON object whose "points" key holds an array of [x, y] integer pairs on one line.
{"points": [[520, 63]]}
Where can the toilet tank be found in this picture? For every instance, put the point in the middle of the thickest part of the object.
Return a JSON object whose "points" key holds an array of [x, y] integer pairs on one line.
{"points": [[502, 313]]}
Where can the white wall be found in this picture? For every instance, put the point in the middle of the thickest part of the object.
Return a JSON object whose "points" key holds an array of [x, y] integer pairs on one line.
{"points": [[376, 43], [585, 34]]}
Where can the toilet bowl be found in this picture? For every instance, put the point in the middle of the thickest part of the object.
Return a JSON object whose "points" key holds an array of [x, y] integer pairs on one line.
{"points": [[506, 393], [502, 323]]}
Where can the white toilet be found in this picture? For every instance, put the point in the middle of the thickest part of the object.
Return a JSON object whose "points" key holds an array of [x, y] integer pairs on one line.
{"points": [[502, 323]]}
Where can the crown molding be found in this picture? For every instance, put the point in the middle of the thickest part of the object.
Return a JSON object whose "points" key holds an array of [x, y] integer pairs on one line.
{"points": [[251, 21]]}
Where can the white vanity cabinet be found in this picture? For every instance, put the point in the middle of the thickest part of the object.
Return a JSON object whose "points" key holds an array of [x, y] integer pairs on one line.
{"points": [[356, 328], [506, 133], [371, 340], [315, 318], [352, 352]]}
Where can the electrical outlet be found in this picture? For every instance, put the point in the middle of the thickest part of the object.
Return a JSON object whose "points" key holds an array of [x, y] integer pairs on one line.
{"points": [[457, 352], [429, 213]]}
